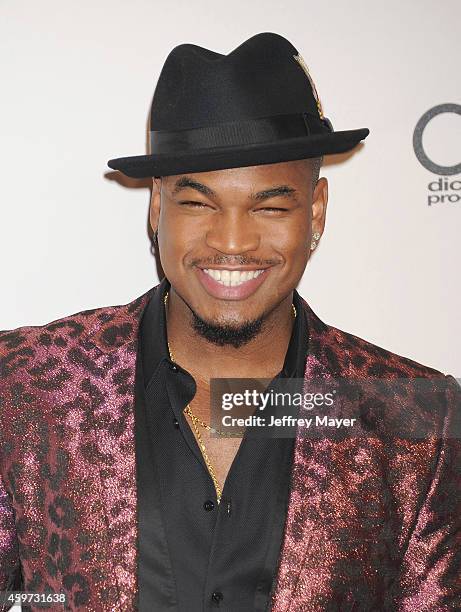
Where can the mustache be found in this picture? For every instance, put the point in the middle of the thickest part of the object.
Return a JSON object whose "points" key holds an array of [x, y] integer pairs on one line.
{"points": [[239, 260]]}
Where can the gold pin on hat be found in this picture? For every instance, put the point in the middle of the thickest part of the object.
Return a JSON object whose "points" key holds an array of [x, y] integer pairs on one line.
{"points": [[303, 65]]}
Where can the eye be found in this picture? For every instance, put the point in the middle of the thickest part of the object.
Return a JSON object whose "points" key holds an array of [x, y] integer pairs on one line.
{"points": [[274, 209], [192, 204]]}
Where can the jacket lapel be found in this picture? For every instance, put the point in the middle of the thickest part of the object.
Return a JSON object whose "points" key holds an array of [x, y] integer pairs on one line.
{"points": [[112, 390], [302, 553]]}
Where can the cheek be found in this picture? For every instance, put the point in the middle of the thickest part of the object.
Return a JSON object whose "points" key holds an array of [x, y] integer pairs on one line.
{"points": [[181, 225], [291, 242], [178, 238], [290, 239]]}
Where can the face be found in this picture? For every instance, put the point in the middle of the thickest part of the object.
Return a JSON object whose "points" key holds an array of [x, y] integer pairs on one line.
{"points": [[234, 243]]}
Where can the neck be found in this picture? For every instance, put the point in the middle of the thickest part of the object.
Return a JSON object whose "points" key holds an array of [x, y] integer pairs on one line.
{"points": [[261, 357]]}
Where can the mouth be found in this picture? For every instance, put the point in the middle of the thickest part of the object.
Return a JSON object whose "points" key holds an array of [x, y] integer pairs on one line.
{"points": [[232, 284]]}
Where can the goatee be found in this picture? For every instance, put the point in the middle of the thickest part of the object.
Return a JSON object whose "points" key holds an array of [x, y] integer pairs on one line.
{"points": [[223, 335]]}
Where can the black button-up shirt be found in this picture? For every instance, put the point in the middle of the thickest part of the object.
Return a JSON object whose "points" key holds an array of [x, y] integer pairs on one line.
{"points": [[194, 554]]}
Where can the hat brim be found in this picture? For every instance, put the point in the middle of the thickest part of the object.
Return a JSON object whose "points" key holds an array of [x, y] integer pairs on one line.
{"points": [[219, 158]]}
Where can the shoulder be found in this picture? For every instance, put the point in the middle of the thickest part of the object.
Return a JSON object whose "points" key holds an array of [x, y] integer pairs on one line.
{"points": [[351, 355], [55, 333], [431, 398], [374, 360], [28, 345], [421, 405]]}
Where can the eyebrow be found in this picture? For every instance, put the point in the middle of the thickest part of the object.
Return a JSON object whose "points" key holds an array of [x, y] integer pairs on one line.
{"points": [[184, 182], [281, 190]]}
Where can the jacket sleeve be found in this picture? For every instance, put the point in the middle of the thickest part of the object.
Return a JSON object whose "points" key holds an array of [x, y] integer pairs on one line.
{"points": [[430, 575]]}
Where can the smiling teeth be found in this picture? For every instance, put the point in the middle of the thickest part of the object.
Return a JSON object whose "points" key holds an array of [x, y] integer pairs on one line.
{"points": [[232, 278]]}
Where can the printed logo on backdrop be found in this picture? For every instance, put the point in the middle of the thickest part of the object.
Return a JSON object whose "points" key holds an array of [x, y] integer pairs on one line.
{"points": [[447, 188]]}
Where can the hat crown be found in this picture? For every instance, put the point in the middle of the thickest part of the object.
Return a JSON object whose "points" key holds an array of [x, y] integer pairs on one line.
{"points": [[259, 78]]}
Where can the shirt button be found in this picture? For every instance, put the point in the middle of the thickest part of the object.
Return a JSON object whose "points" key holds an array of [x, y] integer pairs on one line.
{"points": [[208, 505], [174, 367], [217, 596], [176, 423]]}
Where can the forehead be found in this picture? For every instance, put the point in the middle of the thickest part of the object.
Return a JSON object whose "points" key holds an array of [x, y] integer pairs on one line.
{"points": [[297, 173]]}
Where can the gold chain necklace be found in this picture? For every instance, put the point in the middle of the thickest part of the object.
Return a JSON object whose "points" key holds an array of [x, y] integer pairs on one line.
{"points": [[187, 410]]}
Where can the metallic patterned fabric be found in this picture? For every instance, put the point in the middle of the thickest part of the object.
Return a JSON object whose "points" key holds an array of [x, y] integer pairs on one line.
{"points": [[373, 523]]}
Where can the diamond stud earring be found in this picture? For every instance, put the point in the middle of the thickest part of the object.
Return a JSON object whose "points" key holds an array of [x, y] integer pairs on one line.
{"points": [[315, 239]]}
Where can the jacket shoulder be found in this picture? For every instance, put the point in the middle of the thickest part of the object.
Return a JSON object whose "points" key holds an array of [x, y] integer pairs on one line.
{"points": [[22, 344], [350, 355], [56, 332], [374, 360]]}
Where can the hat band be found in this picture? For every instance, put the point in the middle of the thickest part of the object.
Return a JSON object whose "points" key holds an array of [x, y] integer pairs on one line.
{"points": [[245, 132]]}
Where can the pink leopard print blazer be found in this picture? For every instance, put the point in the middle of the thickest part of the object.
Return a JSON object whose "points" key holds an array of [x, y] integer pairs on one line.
{"points": [[373, 523]]}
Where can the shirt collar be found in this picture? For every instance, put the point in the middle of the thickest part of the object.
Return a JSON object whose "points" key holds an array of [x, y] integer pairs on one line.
{"points": [[154, 344]]}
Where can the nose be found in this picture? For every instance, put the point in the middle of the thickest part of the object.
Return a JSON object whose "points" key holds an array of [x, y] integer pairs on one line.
{"points": [[233, 233]]}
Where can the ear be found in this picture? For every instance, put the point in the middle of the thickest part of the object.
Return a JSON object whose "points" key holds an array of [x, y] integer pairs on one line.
{"points": [[319, 205], [154, 211]]}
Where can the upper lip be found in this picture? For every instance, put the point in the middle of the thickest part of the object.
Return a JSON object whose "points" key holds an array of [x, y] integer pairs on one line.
{"points": [[232, 268]]}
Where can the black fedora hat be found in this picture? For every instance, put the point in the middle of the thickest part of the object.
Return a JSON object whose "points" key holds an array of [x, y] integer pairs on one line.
{"points": [[256, 105]]}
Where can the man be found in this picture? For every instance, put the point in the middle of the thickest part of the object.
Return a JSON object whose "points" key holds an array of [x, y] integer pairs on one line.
{"points": [[116, 490]]}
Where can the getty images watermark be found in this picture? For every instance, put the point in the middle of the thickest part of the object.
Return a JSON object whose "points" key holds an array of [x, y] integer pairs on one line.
{"points": [[264, 401], [411, 408]]}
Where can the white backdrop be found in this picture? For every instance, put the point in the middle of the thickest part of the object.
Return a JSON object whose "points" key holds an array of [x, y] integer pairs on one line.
{"points": [[77, 80]]}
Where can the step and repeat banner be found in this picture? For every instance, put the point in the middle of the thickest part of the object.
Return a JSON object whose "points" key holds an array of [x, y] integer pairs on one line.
{"points": [[77, 82]]}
